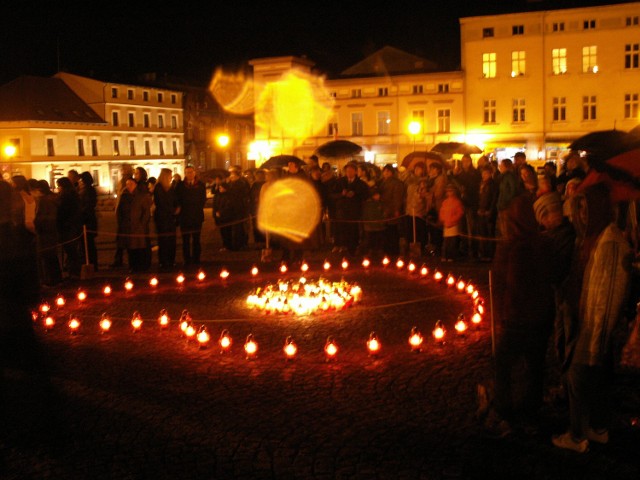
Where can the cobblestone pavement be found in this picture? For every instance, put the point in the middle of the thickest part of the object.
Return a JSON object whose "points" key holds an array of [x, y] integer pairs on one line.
{"points": [[153, 405]]}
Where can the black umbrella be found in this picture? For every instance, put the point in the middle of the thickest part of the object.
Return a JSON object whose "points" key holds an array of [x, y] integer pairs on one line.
{"points": [[426, 157], [601, 145], [338, 148], [214, 172], [281, 161], [450, 148]]}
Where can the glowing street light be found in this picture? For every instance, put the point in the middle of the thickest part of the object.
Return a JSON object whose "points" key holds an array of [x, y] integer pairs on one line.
{"points": [[414, 129]]}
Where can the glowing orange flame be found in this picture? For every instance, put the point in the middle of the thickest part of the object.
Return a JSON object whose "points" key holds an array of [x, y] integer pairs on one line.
{"points": [[203, 337], [290, 348], [386, 261], [224, 341], [136, 321], [201, 276], [373, 344], [366, 263], [439, 331], [224, 274], [180, 279], [74, 324], [330, 348], [105, 323], [400, 264], [415, 339], [128, 285], [60, 301], [250, 346], [424, 271], [44, 307], [254, 271], [163, 318], [49, 322], [107, 290], [326, 265], [81, 295]]}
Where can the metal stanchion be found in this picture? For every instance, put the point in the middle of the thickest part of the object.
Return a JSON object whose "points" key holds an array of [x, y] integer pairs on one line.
{"points": [[87, 269]]}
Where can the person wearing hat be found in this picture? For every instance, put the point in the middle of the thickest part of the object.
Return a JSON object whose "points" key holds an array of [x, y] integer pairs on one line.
{"points": [[450, 215]]}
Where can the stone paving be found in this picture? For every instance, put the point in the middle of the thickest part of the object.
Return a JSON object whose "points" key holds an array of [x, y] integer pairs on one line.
{"points": [[151, 404]]}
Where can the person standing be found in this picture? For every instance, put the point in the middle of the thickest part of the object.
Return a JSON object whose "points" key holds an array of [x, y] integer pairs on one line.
{"points": [[254, 202], [392, 198], [140, 240], [164, 217], [49, 270], [239, 190], [88, 203], [487, 214], [192, 196], [598, 286], [436, 184], [69, 225], [450, 215], [126, 172], [293, 251], [350, 194], [468, 180], [416, 205]]}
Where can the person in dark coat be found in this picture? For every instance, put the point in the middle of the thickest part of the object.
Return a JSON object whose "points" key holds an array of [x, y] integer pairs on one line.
{"points": [[350, 195], [392, 194], [164, 216], [126, 172], [254, 201], [521, 301], [223, 214], [487, 213], [49, 269], [139, 244], [88, 203], [239, 189], [468, 179], [69, 225], [192, 195]]}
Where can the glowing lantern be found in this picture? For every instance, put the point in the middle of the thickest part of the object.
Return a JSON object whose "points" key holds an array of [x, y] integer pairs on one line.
{"points": [[450, 281], [480, 306], [128, 285], [366, 263], [415, 340], [185, 319], [201, 275], [475, 294], [104, 323], [74, 324], [470, 289], [326, 265], [180, 279], [411, 267], [203, 337], [304, 267], [107, 290], [44, 307], [438, 276], [254, 271], [81, 295], [330, 348], [461, 324], [290, 348], [250, 346], [60, 301], [283, 267], [224, 274], [224, 341], [400, 264], [373, 344], [424, 271], [163, 319], [439, 332], [153, 281], [476, 318], [385, 261], [461, 285], [136, 321], [35, 315], [49, 323], [345, 264]]}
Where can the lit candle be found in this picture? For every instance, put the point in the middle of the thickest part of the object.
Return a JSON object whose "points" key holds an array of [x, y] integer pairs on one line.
{"points": [[411, 267], [450, 280], [136, 321], [400, 264], [49, 323], [326, 265], [437, 276], [153, 281], [224, 274], [439, 332], [366, 263], [373, 344], [290, 348], [283, 267], [461, 285], [304, 267], [385, 261], [74, 324], [224, 341], [60, 301], [190, 331], [185, 318], [415, 340], [203, 337], [44, 307], [330, 348], [201, 275], [81, 295], [163, 319], [476, 318], [250, 346], [254, 271], [105, 323], [128, 285], [107, 290], [180, 279], [345, 264], [424, 271], [461, 324]]}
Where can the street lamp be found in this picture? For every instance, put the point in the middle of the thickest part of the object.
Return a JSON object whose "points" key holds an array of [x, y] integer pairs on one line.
{"points": [[9, 151], [223, 140], [414, 129]]}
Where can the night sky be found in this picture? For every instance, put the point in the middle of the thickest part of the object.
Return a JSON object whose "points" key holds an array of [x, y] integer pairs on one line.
{"points": [[115, 42]]}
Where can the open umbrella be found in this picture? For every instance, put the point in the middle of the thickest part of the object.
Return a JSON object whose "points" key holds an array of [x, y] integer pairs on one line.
{"points": [[450, 148], [281, 161], [411, 159], [602, 145], [214, 172], [338, 149]]}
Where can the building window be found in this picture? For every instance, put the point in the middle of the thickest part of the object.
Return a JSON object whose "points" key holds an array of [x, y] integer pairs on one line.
{"points": [[631, 105], [631, 55], [160, 121], [559, 109], [114, 92], [589, 24], [384, 123], [146, 121], [444, 120], [489, 65], [333, 94], [95, 174], [51, 151], [487, 32], [115, 119], [332, 129], [116, 147], [417, 89], [559, 61], [132, 148], [145, 96], [517, 30], [558, 27], [383, 92], [590, 59], [132, 119], [174, 122], [174, 145], [518, 110], [173, 98], [518, 63], [356, 93], [632, 21], [160, 97], [94, 147], [418, 116], [81, 147], [589, 107], [161, 147], [147, 147], [443, 88], [356, 124], [489, 111], [129, 94]]}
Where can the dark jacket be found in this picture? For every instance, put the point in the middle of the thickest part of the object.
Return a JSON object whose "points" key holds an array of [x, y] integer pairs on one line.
{"points": [[191, 198]]}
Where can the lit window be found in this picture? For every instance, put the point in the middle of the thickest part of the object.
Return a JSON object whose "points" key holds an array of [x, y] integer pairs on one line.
{"points": [[590, 59], [384, 123], [444, 120], [489, 65], [116, 147], [356, 124], [559, 61], [517, 63]]}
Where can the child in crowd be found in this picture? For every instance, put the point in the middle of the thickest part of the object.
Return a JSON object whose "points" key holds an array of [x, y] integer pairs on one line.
{"points": [[451, 212]]}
